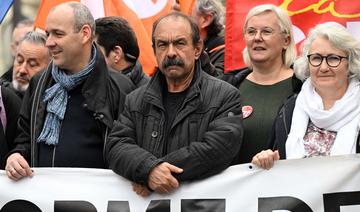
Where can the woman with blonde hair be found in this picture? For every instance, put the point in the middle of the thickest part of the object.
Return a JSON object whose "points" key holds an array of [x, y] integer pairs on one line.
{"points": [[268, 80], [324, 118]]}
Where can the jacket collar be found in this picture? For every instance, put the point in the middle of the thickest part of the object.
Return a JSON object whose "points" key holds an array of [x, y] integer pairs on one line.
{"points": [[212, 42], [134, 71], [94, 88], [127, 71], [236, 77]]}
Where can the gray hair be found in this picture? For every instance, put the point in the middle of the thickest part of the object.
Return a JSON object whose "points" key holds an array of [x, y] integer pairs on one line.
{"points": [[340, 39], [215, 8], [34, 37], [285, 25], [82, 16]]}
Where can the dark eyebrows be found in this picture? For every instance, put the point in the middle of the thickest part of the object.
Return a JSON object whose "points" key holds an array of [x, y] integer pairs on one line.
{"points": [[173, 41], [162, 41], [179, 40]]}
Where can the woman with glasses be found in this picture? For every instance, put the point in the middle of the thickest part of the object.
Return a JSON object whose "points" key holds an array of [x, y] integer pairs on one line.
{"points": [[268, 80], [324, 118]]}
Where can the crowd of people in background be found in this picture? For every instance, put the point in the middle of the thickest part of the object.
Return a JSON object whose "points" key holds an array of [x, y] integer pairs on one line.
{"points": [[86, 101]]}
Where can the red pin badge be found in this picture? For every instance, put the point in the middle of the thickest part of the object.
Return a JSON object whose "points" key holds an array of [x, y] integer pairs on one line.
{"points": [[247, 111]]}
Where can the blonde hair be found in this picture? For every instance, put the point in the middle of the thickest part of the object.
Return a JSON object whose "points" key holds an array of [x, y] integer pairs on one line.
{"points": [[285, 25]]}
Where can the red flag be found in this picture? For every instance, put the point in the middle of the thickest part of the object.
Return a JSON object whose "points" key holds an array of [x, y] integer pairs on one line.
{"points": [[44, 9], [304, 15], [186, 6]]}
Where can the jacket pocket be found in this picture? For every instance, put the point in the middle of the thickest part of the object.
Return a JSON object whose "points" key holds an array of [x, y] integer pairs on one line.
{"points": [[152, 136]]}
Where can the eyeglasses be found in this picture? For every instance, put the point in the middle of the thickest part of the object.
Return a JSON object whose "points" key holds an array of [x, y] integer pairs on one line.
{"points": [[332, 60], [265, 33]]}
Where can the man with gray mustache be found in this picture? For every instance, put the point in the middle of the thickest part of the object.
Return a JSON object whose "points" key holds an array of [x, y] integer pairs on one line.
{"points": [[183, 125], [31, 57]]}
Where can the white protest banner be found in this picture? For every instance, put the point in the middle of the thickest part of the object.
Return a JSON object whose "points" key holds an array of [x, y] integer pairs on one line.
{"points": [[329, 184]]}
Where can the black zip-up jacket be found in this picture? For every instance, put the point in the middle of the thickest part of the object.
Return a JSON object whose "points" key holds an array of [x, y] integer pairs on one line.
{"points": [[203, 140], [104, 97], [12, 105], [282, 126]]}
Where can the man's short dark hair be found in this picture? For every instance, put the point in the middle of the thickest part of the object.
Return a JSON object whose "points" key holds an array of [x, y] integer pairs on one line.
{"points": [[114, 31], [195, 34]]}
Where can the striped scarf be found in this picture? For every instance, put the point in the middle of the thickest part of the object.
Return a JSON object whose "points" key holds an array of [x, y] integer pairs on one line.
{"points": [[56, 98]]}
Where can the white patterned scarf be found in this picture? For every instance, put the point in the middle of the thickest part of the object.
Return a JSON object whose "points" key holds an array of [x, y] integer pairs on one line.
{"points": [[343, 117]]}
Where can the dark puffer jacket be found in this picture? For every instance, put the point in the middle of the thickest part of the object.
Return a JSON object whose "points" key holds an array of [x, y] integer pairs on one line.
{"points": [[204, 138]]}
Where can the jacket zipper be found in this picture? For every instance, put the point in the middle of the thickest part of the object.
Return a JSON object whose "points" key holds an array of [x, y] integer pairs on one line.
{"points": [[54, 150], [53, 157], [104, 150], [284, 120], [34, 111]]}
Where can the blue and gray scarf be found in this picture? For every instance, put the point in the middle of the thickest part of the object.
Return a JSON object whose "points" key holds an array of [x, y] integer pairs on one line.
{"points": [[56, 98]]}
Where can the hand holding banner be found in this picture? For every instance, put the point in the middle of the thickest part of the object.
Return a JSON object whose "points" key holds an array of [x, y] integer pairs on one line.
{"points": [[306, 185]]}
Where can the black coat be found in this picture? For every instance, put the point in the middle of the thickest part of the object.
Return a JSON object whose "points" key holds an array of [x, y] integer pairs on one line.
{"points": [[204, 138], [212, 58], [12, 105], [9, 85], [8, 75], [104, 95], [215, 48]]}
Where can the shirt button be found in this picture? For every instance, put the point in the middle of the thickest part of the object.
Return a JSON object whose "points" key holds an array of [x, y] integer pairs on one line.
{"points": [[154, 134]]}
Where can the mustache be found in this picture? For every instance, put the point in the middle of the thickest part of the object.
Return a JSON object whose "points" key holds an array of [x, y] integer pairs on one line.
{"points": [[173, 62], [22, 76]]}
